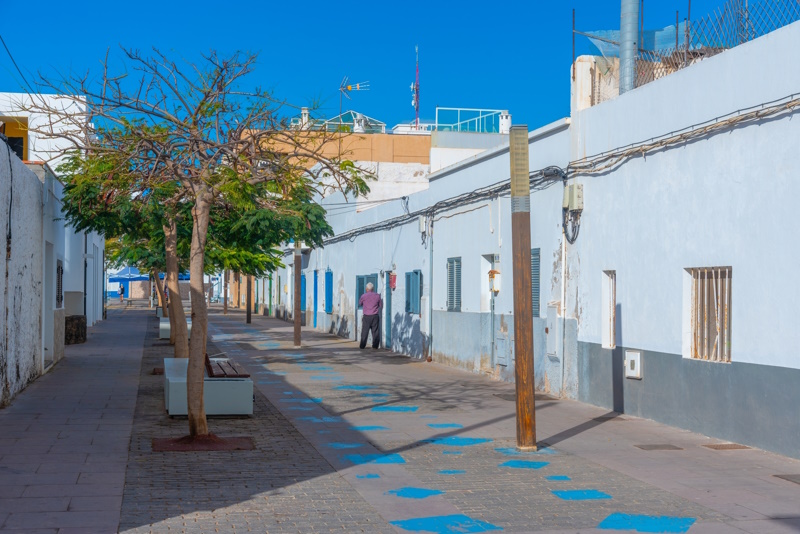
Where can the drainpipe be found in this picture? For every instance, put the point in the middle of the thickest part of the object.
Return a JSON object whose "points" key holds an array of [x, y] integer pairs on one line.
{"points": [[629, 45], [430, 290], [563, 304]]}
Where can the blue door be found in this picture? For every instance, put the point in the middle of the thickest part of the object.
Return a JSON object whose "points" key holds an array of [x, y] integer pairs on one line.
{"points": [[316, 293], [387, 306]]}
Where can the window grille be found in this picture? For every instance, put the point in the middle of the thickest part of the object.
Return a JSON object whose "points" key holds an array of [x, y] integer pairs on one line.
{"points": [[535, 283], [329, 291], [59, 284], [413, 291], [454, 284], [711, 313]]}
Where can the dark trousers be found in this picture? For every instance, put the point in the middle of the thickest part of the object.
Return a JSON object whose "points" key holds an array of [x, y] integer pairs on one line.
{"points": [[371, 322]]}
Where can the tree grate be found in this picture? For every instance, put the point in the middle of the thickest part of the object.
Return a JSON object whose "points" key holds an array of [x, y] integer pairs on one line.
{"points": [[790, 478], [726, 446], [659, 447]]}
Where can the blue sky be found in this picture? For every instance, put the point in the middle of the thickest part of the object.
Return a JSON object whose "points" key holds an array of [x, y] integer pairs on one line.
{"points": [[511, 55]]}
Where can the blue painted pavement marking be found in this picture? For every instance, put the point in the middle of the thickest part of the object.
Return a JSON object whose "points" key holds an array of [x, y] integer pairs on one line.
{"points": [[374, 394], [445, 425], [451, 472], [445, 524], [364, 428], [301, 401], [359, 459], [288, 392], [581, 495], [354, 387], [414, 493], [523, 464], [321, 419], [558, 477], [265, 382], [451, 452], [511, 451], [315, 367], [647, 523], [301, 408], [327, 377], [323, 431], [395, 409], [337, 445], [368, 475], [458, 441]]}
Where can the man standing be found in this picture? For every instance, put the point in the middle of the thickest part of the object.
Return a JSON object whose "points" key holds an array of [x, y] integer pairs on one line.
{"points": [[371, 303]]}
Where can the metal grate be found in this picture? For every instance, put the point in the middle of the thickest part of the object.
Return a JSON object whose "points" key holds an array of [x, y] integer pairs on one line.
{"points": [[726, 446], [711, 313], [454, 284], [59, 285], [535, 282], [659, 447]]}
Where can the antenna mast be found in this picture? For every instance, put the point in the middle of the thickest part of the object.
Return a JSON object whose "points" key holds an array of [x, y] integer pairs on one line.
{"points": [[415, 92]]}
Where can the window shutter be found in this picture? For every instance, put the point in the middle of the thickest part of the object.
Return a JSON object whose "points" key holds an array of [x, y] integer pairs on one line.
{"points": [[373, 279], [535, 261], [328, 291], [303, 292], [458, 284], [360, 288], [415, 293], [450, 284], [409, 297]]}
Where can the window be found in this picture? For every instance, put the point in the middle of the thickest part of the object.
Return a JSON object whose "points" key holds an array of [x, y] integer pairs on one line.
{"points": [[711, 313], [328, 291], [361, 285], [59, 284], [302, 292], [413, 291], [609, 312], [535, 282], [454, 284]]}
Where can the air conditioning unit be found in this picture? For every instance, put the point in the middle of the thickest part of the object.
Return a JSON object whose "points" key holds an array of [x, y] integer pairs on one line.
{"points": [[633, 364]]}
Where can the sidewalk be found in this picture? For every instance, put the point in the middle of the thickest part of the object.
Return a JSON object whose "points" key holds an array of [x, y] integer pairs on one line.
{"points": [[355, 441]]}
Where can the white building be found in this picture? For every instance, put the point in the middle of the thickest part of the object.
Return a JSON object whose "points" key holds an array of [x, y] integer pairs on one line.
{"points": [[681, 181], [65, 267]]}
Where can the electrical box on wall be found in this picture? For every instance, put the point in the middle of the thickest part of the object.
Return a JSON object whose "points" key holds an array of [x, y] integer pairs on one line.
{"points": [[633, 364], [573, 197]]}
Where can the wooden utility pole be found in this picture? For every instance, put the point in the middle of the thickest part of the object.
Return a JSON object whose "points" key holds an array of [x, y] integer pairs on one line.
{"points": [[249, 298], [523, 313], [298, 267]]}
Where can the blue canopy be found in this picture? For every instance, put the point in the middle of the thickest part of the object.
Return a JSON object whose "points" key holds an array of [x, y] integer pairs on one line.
{"points": [[128, 274]]}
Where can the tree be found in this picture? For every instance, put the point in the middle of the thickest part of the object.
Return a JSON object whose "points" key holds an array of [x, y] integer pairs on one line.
{"points": [[214, 143]]}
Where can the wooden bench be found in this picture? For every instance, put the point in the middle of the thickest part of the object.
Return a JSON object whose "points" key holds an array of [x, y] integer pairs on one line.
{"points": [[222, 395], [217, 367]]}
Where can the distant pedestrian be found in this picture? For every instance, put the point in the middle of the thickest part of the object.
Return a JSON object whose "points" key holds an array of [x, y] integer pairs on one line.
{"points": [[121, 293], [371, 303]]}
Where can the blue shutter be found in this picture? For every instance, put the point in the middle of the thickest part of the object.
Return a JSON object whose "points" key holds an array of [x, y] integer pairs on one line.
{"points": [[303, 292], [416, 291], [360, 288], [535, 269], [328, 291], [409, 283]]}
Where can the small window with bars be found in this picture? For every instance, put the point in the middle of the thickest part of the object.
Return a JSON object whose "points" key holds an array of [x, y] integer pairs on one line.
{"points": [[711, 313], [59, 284], [413, 291], [454, 284]]}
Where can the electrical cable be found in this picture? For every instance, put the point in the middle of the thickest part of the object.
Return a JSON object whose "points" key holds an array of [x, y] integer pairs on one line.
{"points": [[15, 64], [601, 162]]}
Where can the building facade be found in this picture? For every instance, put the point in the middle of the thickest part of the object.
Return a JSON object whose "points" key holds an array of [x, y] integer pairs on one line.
{"points": [[642, 313]]}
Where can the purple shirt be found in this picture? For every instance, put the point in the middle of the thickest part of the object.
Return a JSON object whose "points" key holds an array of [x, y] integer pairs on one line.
{"points": [[371, 302]]}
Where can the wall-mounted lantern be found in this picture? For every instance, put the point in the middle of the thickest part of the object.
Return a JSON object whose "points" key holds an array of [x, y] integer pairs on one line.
{"points": [[494, 281]]}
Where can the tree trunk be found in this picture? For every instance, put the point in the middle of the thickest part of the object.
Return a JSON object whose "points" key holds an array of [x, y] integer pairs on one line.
{"points": [[225, 297], [178, 332], [198, 425], [160, 291]]}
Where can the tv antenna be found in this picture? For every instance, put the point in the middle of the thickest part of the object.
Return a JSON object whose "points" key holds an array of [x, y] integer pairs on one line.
{"points": [[415, 91], [345, 88]]}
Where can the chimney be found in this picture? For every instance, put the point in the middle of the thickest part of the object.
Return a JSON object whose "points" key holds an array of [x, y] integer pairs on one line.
{"points": [[628, 44]]}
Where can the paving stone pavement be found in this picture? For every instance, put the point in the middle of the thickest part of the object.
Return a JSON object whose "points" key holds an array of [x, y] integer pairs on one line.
{"points": [[358, 441]]}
